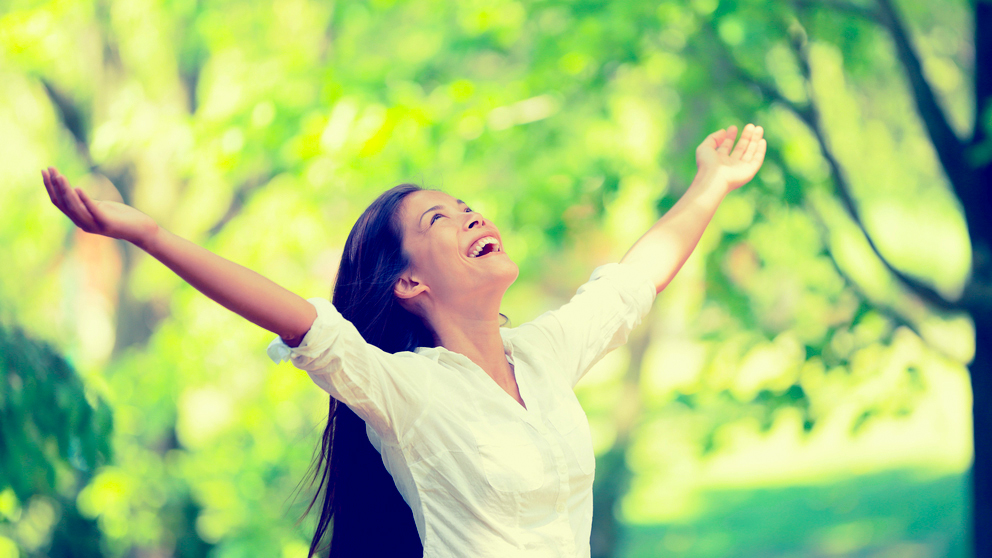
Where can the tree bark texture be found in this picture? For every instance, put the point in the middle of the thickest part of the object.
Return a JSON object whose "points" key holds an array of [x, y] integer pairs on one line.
{"points": [[981, 386], [968, 166], [980, 227]]}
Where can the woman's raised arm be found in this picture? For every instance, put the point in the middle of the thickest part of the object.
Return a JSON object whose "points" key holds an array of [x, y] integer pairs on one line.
{"points": [[662, 251], [233, 286]]}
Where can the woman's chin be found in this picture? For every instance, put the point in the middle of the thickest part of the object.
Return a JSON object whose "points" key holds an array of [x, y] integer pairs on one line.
{"points": [[512, 274], [501, 270], [510, 266]]}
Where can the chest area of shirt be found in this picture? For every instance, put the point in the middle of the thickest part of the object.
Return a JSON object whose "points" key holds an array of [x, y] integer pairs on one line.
{"points": [[476, 429], [462, 392]]}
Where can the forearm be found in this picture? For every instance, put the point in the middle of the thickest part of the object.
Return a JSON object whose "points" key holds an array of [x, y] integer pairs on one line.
{"points": [[665, 247], [234, 287]]}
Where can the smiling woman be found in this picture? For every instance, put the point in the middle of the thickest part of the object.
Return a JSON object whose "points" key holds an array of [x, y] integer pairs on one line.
{"points": [[456, 437]]}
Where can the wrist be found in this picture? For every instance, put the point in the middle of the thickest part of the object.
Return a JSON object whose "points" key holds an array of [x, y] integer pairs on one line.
{"points": [[149, 239], [710, 180]]}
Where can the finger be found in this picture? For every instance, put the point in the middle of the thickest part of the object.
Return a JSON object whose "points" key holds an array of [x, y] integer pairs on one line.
{"points": [[61, 186], [759, 157], [83, 213], [58, 187], [65, 207], [745, 141], [48, 188], [712, 141], [91, 206], [77, 211], [753, 147], [53, 192], [728, 140]]}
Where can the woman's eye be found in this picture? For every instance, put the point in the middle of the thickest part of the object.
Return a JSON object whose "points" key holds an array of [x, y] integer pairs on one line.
{"points": [[434, 218]]}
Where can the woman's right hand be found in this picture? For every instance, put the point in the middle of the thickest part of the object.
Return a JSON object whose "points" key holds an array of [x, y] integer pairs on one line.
{"points": [[107, 218]]}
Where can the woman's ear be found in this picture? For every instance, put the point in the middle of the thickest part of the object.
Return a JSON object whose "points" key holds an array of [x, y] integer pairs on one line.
{"points": [[407, 287]]}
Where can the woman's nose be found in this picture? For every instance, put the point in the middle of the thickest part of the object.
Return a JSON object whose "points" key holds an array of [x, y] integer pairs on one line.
{"points": [[475, 219]]}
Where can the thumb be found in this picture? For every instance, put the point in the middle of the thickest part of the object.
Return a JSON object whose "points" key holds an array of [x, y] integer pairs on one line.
{"points": [[713, 140]]}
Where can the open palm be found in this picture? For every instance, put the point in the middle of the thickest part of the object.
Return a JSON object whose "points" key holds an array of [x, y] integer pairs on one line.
{"points": [[106, 218], [737, 165]]}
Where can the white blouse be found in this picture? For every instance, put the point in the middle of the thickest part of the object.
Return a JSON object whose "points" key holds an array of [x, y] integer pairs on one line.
{"points": [[483, 475]]}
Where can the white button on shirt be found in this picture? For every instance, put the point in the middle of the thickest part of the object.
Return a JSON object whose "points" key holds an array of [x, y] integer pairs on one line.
{"points": [[483, 475]]}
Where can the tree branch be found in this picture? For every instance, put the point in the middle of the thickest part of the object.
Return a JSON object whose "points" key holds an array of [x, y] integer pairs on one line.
{"points": [[886, 310], [809, 114], [953, 153], [921, 290], [844, 7], [136, 319], [803, 111], [72, 118], [240, 198], [949, 147], [983, 77]]}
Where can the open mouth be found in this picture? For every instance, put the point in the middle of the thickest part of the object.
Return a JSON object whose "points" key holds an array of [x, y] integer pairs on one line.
{"points": [[484, 246]]}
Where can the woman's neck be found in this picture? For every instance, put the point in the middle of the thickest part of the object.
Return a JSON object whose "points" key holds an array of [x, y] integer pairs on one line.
{"points": [[478, 339]]}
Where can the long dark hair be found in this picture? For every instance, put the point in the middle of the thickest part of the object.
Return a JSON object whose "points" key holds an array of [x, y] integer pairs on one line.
{"points": [[370, 516]]}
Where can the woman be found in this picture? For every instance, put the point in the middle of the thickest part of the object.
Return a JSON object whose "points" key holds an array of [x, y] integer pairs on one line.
{"points": [[476, 424]]}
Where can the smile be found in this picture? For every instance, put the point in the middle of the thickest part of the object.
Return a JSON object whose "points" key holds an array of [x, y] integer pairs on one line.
{"points": [[484, 246]]}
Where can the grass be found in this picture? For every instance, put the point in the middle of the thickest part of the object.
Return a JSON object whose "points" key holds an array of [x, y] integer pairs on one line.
{"points": [[898, 514]]}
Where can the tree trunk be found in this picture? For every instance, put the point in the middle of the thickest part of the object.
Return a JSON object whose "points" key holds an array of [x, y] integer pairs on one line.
{"points": [[981, 471], [980, 230]]}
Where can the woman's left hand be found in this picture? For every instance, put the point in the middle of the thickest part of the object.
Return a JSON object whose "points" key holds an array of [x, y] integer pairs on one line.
{"points": [[735, 168]]}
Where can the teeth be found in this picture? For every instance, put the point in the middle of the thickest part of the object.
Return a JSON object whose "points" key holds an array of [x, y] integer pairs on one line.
{"points": [[481, 243]]}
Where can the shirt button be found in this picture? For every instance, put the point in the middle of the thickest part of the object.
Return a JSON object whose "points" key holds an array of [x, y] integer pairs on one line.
{"points": [[560, 508]]}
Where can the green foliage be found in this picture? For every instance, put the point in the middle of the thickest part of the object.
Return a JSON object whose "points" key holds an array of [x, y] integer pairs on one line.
{"points": [[783, 352], [48, 420], [54, 433]]}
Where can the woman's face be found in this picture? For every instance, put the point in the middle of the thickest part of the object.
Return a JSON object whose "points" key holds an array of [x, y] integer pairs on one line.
{"points": [[442, 236]]}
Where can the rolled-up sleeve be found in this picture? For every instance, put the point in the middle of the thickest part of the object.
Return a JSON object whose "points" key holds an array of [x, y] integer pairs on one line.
{"points": [[598, 319], [388, 391]]}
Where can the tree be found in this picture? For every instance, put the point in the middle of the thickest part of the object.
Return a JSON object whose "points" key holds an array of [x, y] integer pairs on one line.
{"points": [[53, 435], [262, 129], [966, 160]]}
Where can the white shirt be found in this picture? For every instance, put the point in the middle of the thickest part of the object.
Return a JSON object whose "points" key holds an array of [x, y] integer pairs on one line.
{"points": [[483, 475]]}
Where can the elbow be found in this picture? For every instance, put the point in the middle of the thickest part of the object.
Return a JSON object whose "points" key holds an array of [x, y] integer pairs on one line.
{"points": [[293, 340], [662, 281], [294, 334]]}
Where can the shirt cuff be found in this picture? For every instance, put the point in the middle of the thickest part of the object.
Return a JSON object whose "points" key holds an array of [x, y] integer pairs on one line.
{"points": [[279, 351]]}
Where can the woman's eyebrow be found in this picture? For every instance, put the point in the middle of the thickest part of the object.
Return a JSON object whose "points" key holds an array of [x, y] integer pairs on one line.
{"points": [[428, 211], [421, 220]]}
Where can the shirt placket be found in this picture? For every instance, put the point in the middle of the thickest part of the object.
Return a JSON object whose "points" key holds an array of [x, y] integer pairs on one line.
{"points": [[566, 543], [564, 537]]}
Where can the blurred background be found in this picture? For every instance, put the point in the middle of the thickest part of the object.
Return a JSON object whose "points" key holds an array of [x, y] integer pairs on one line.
{"points": [[802, 388]]}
